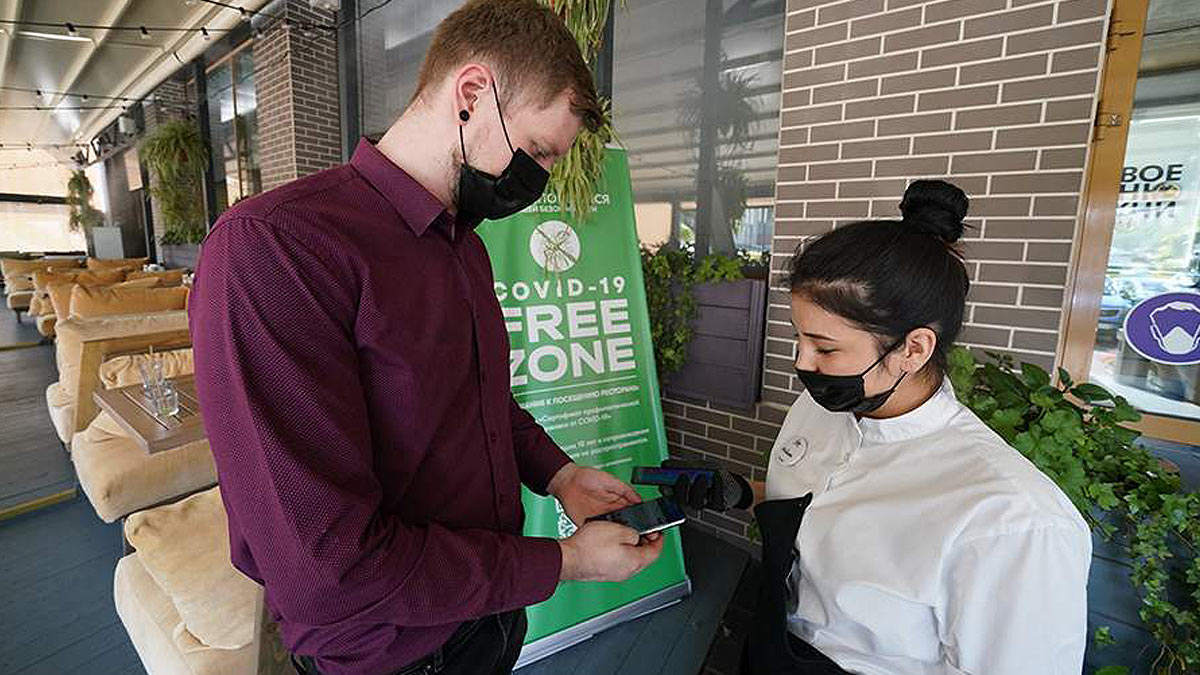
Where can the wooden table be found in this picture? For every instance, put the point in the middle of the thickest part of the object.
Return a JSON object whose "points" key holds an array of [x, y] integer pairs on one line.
{"points": [[130, 408]]}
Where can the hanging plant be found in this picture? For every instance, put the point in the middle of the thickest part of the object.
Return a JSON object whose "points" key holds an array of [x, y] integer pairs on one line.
{"points": [[575, 176], [82, 216], [176, 156]]}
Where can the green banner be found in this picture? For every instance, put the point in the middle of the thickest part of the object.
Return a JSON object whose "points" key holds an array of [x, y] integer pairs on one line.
{"points": [[582, 364]]}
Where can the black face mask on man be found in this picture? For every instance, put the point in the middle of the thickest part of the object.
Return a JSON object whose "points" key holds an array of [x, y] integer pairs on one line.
{"points": [[482, 195], [847, 393]]}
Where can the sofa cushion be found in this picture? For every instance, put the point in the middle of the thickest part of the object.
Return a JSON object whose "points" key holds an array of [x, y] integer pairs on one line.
{"points": [[18, 274], [18, 300], [62, 412], [155, 629], [124, 370], [119, 477], [38, 304], [95, 301], [45, 325], [165, 277], [44, 278], [185, 547], [116, 263], [142, 282]]}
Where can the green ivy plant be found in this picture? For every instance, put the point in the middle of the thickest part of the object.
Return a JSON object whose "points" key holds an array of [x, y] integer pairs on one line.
{"points": [[670, 276], [1075, 434], [575, 176], [176, 156], [82, 215]]}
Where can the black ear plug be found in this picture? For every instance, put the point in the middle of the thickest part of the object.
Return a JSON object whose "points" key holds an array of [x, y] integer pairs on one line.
{"points": [[464, 115]]}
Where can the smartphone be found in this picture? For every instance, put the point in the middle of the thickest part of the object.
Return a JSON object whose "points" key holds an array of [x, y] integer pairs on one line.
{"points": [[658, 475], [647, 517]]}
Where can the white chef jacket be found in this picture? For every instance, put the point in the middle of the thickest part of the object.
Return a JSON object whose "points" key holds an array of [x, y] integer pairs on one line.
{"points": [[931, 546]]}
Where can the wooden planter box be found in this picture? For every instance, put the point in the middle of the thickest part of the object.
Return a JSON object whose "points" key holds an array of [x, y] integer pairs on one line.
{"points": [[180, 255], [724, 363]]}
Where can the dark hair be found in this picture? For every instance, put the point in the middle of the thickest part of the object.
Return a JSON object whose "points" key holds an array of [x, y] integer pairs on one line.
{"points": [[531, 48], [892, 276]]}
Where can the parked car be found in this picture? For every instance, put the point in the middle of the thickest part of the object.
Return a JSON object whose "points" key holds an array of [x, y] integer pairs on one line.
{"points": [[1113, 308]]}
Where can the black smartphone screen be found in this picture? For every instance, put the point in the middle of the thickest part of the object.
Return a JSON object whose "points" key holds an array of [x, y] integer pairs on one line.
{"points": [[647, 517]]}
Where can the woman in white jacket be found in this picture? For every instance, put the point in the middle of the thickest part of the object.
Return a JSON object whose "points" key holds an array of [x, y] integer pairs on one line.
{"points": [[901, 535]]}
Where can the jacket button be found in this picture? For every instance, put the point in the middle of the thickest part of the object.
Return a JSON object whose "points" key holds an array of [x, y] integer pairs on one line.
{"points": [[492, 436]]}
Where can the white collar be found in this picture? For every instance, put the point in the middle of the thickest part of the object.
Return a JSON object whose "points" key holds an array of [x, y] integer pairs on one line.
{"points": [[932, 415]]}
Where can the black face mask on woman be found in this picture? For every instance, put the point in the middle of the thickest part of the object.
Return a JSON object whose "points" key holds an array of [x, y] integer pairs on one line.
{"points": [[482, 195], [847, 393]]}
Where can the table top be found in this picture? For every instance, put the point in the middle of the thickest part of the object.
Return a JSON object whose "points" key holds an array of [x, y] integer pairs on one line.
{"points": [[135, 413]]}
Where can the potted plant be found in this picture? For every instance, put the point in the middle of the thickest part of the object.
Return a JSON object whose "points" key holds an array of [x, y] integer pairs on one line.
{"points": [[706, 323], [176, 157], [1134, 502]]}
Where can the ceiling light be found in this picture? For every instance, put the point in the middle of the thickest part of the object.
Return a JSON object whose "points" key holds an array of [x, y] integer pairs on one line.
{"points": [[204, 32], [37, 35]]}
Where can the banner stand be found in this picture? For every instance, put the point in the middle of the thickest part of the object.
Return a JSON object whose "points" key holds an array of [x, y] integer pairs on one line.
{"points": [[582, 365], [582, 632]]}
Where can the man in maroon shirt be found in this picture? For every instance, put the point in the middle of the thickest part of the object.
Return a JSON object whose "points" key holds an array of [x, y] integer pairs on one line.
{"points": [[352, 366]]}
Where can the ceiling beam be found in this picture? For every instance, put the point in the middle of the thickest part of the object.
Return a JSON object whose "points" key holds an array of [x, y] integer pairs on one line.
{"points": [[12, 13], [158, 67], [111, 18]]}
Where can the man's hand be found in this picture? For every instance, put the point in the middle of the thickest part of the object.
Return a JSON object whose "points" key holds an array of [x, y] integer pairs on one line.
{"points": [[585, 492], [604, 551]]}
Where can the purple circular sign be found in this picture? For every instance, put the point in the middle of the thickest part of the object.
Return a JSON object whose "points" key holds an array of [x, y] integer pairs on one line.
{"points": [[1165, 328]]}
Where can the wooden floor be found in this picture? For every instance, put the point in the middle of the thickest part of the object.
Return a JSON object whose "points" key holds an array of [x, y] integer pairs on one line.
{"points": [[56, 600], [12, 332], [33, 463]]}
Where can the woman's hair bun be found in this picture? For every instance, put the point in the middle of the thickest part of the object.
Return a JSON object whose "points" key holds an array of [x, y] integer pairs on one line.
{"points": [[936, 208]]}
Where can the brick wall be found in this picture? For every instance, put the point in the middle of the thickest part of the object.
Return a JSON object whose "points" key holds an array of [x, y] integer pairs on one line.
{"points": [[296, 82], [170, 100], [997, 96]]}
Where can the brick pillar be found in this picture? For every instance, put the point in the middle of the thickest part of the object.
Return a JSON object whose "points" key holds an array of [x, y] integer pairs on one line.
{"points": [[296, 82], [169, 101]]}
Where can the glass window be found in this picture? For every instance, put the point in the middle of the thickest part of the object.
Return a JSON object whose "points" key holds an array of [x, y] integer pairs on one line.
{"points": [[696, 102], [1148, 337], [233, 128], [392, 44]]}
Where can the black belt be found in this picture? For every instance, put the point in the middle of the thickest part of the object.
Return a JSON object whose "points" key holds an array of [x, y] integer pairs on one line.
{"points": [[430, 664]]}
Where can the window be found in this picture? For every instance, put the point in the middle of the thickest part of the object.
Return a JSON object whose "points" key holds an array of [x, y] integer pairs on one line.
{"points": [[696, 95], [392, 44], [1144, 343], [233, 127]]}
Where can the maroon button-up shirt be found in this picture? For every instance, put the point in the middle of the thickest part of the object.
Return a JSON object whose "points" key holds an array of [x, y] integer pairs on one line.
{"points": [[352, 366]]}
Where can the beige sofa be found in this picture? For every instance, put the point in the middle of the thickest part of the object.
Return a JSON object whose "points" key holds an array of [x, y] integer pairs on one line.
{"points": [[116, 474], [18, 278], [186, 609]]}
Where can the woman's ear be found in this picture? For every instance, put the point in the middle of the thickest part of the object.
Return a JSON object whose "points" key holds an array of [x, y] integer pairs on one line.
{"points": [[919, 346]]}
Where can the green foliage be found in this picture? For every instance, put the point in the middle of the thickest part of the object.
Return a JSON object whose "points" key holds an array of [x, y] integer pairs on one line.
{"points": [[670, 274], [574, 177], [176, 155], [1074, 434], [79, 202]]}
